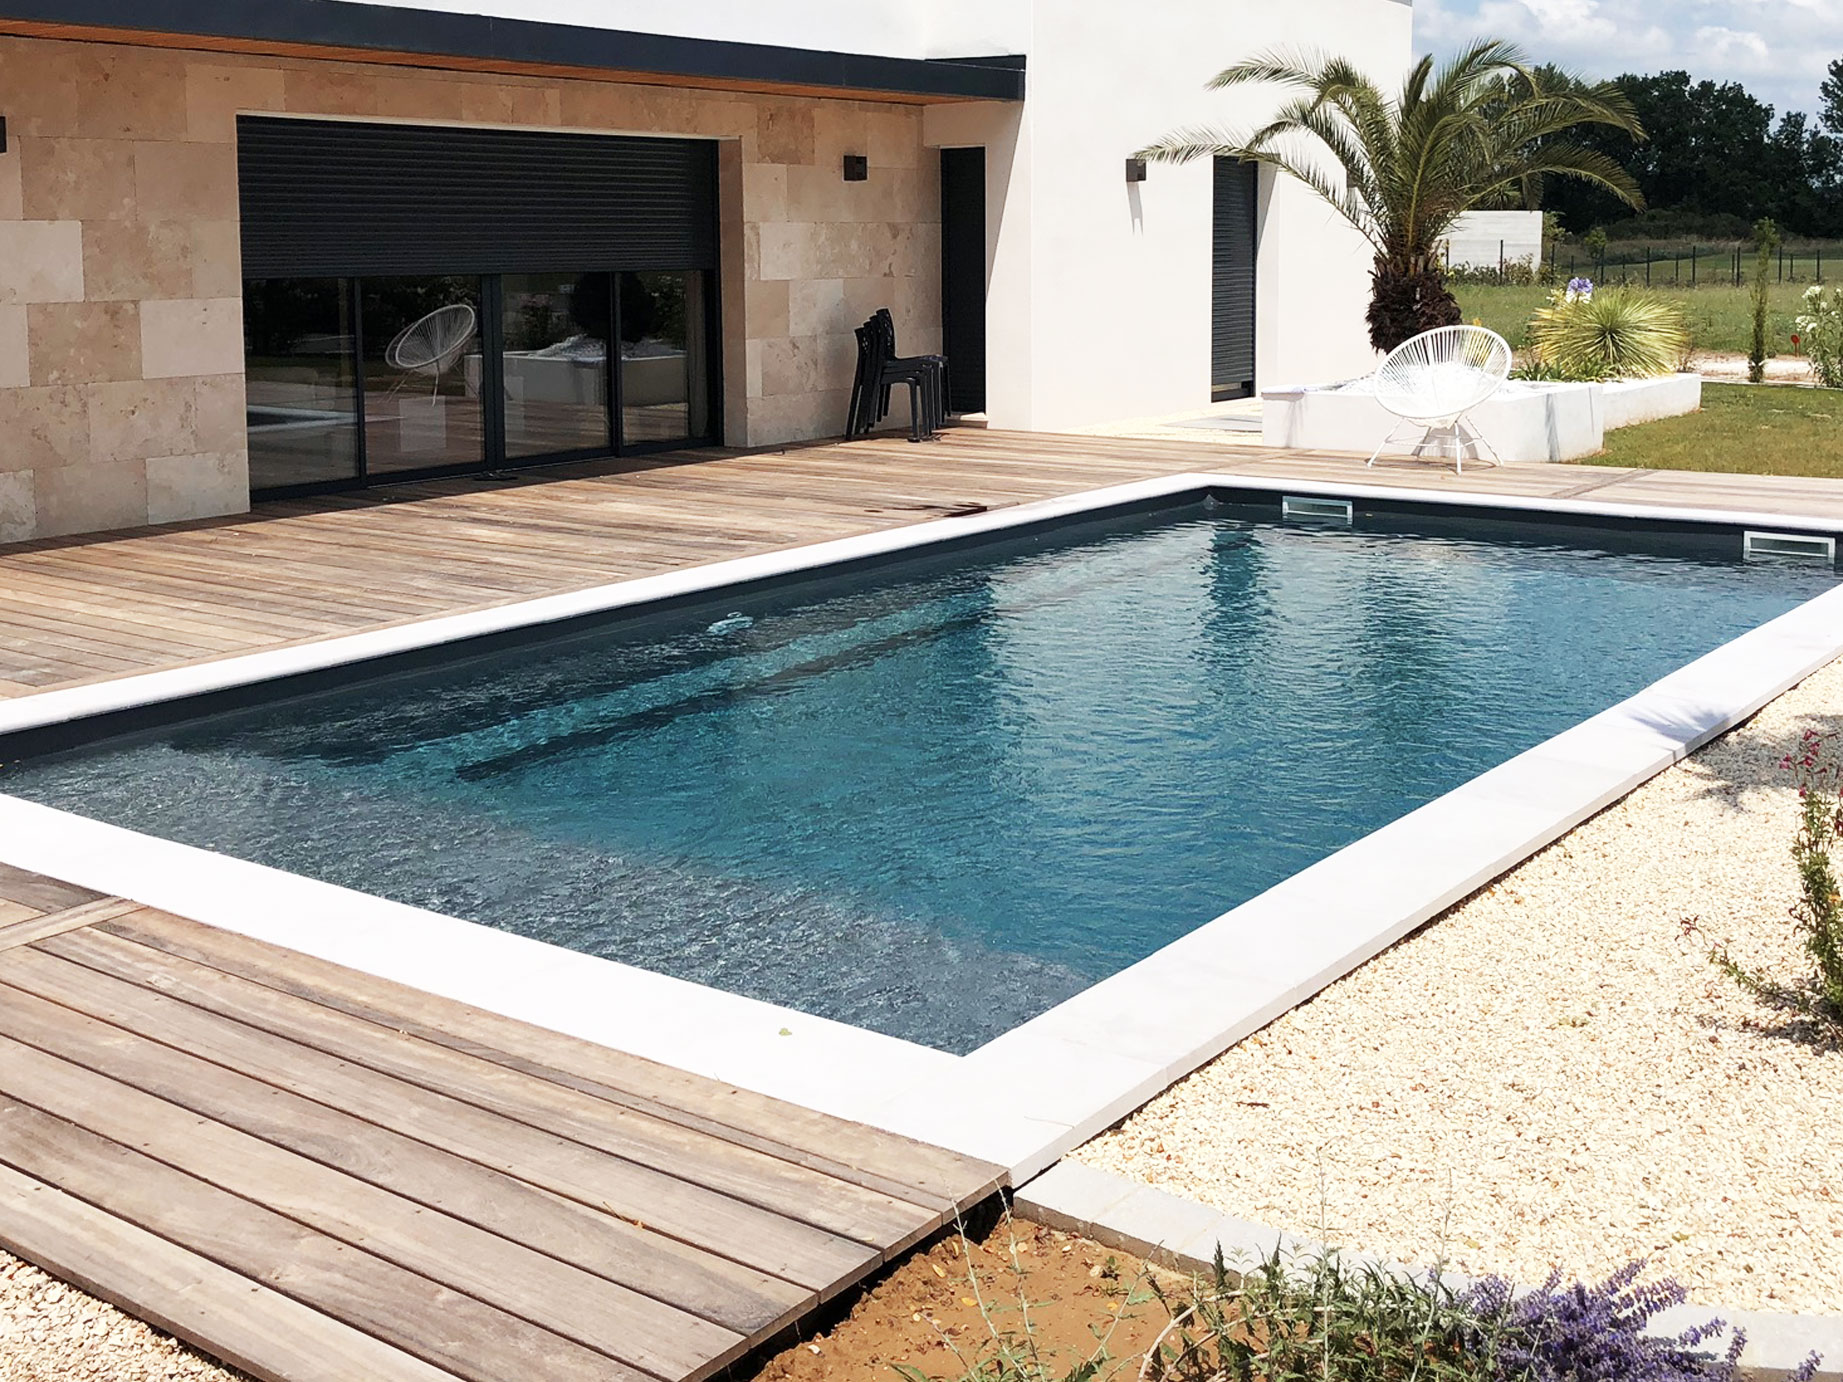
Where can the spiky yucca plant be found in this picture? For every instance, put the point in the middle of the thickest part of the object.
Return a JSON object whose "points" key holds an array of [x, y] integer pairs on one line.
{"points": [[1612, 333], [1479, 131]]}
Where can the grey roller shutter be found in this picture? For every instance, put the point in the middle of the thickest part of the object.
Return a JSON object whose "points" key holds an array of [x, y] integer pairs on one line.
{"points": [[328, 198], [1232, 288]]}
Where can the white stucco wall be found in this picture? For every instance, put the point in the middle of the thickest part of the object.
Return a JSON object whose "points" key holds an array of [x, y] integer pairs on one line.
{"points": [[941, 28], [1099, 300]]}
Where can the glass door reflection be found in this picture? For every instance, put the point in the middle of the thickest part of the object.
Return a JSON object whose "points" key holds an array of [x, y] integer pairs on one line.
{"points": [[423, 373], [665, 371], [301, 387], [555, 363]]}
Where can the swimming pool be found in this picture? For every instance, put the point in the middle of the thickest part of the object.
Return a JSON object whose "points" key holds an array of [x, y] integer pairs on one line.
{"points": [[937, 797]]}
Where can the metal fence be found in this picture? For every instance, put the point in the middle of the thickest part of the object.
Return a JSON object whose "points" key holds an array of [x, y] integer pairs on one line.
{"points": [[1692, 265], [1679, 265]]}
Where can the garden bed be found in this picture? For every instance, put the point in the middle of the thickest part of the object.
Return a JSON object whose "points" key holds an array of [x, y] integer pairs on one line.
{"points": [[1552, 1075]]}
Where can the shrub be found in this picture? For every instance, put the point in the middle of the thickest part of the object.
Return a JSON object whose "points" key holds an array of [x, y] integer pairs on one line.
{"points": [[1766, 239], [1612, 333], [1819, 912], [1820, 326], [1307, 1318]]}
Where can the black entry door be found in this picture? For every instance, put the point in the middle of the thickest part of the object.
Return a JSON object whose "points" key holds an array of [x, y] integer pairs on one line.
{"points": [[1232, 280], [963, 277]]}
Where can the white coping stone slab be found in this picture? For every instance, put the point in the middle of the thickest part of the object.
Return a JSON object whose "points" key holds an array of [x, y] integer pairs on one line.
{"points": [[1178, 1232], [1029, 1096]]}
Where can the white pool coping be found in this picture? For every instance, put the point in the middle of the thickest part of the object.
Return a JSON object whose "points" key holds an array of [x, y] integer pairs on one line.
{"points": [[1174, 1231], [1029, 1096]]}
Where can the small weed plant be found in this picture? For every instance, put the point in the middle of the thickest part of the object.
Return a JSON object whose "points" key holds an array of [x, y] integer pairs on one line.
{"points": [[1818, 913], [1010, 1350], [1820, 331], [1608, 333]]}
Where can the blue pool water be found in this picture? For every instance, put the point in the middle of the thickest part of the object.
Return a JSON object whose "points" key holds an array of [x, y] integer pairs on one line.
{"points": [[939, 799]]}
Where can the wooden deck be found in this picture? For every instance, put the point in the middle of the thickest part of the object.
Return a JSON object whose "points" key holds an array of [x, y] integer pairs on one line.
{"points": [[96, 607], [313, 1174]]}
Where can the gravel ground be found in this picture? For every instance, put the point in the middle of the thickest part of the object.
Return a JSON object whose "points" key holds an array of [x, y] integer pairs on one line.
{"points": [[1552, 1075], [50, 1332]]}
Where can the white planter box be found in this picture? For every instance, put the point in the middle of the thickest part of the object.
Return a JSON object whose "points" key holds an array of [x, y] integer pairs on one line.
{"points": [[1646, 400], [1529, 422]]}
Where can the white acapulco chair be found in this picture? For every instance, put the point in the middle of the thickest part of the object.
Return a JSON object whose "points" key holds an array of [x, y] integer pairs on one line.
{"points": [[429, 344], [1435, 379]]}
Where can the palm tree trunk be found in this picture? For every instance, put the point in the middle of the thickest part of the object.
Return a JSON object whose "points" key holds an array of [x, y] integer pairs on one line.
{"points": [[1406, 298]]}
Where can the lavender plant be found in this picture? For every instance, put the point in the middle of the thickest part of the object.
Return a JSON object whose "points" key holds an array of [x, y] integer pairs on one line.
{"points": [[1819, 912], [1581, 1333], [1312, 1319]]}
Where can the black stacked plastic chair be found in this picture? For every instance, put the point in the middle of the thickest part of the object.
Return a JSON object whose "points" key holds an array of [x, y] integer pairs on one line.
{"points": [[880, 371], [886, 324]]}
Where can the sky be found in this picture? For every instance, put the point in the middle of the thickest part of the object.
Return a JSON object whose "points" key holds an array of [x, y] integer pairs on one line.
{"points": [[1777, 49]]}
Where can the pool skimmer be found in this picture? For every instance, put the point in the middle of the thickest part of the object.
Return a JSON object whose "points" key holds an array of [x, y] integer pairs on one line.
{"points": [[1322, 509], [1758, 546]]}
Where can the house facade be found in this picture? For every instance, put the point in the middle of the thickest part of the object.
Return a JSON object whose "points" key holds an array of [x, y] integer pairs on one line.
{"points": [[268, 247]]}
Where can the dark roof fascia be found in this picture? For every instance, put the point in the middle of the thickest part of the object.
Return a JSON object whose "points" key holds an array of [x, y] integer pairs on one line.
{"points": [[435, 34]]}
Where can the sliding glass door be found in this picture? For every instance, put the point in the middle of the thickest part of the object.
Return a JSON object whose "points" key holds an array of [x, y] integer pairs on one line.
{"points": [[555, 329], [665, 370], [423, 374], [430, 300], [301, 382], [353, 381]]}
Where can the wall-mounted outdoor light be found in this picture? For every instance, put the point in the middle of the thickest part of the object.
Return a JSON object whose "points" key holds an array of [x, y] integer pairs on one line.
{"points": [[1135, 170], [857, 168]]}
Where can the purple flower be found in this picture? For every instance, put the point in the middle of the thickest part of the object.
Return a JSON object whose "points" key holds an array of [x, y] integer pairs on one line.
{"points": [[1581, 1333]]}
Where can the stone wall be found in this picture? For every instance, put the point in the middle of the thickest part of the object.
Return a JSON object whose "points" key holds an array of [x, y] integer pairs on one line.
{"points": [[121, 335]]}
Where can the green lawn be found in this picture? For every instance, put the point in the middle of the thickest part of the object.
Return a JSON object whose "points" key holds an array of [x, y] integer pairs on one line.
{"points": [[1720, 318], [1754, 429]]}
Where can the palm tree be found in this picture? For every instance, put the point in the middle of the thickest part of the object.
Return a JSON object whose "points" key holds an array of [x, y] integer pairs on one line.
{"points": [[1480, 131]]}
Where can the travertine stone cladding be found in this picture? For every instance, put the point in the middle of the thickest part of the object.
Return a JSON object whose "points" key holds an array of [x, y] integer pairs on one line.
{"points": [[121, 337]]}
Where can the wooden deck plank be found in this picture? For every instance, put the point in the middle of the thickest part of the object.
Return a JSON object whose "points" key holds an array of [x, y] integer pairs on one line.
{"points": [[593, 1240], [291, 1135], [41, 893], [608, 1319], [48, 924], [445, 1328], [752, 1176], [844, 1150], [246, 1324], [780, 1246]]}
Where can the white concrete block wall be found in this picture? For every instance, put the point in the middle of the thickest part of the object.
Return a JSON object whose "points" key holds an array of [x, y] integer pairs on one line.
{"points": [[1479, 237]]}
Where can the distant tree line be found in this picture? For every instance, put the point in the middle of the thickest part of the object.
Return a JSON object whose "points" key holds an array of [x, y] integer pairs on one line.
{"points": [[1714, 161]]}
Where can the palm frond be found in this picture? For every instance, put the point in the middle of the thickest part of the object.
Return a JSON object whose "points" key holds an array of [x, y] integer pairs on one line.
{"points": [[1483, 128]]}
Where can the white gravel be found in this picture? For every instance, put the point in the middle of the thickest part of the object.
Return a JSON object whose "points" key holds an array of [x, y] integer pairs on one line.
{"points": [[50, 1332], [1552, 1075]]}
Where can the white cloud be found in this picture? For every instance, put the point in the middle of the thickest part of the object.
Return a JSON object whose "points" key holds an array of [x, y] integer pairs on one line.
{"points": [[1778, 49]]}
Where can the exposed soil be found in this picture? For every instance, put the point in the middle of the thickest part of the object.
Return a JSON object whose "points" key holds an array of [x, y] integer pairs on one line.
{"points": [[928, 1313]]}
